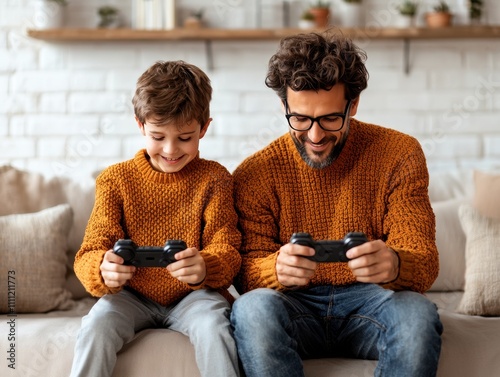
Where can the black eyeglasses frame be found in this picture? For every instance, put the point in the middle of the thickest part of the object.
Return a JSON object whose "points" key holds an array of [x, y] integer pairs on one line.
{"points": [[343, 115]]}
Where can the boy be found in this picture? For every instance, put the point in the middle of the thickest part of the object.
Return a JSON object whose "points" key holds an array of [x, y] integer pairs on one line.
{"points": [[165, 192]]}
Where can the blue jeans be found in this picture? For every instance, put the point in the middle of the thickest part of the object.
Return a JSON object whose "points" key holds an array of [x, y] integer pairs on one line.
{"points": [[114, 320], [275, 330]]}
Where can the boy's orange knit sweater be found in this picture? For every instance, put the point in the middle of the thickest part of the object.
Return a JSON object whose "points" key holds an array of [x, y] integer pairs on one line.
{"points": [[377, 185], [134, 201]]}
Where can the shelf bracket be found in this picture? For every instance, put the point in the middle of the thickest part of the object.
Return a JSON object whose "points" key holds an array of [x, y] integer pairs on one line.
{"points": [[406, 56], [209, 54]]}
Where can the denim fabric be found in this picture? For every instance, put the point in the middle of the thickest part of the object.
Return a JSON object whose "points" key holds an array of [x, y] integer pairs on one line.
{"points": [[202, 315], [275, 330]]}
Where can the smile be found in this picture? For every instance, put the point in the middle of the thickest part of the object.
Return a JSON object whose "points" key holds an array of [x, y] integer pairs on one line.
{"points": [[318, 147], [171, 160]]}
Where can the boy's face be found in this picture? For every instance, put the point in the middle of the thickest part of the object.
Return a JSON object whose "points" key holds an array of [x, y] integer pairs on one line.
{"points": [[170, 147]]}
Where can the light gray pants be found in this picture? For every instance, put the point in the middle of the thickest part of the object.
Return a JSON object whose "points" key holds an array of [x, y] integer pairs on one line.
{"points": [[115, 319]]}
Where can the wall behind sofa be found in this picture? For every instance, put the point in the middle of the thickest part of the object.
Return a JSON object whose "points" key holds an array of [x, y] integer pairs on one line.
{"points": [[65, 106]]}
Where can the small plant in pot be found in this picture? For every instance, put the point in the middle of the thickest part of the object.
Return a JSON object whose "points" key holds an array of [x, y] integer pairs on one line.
{"points": [[194, 20], [108, 17], [352, 13], [407, 10], [440, 16], [321, 12], [475, 10], [307, 20]]}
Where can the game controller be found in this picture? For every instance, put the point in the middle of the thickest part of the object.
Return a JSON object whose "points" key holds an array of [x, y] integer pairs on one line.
{"points": [[148, 256], [330, 251]]}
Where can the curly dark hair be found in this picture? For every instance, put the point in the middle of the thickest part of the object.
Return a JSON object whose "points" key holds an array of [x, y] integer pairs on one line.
{"points": [[317, 61], [172, 91]]}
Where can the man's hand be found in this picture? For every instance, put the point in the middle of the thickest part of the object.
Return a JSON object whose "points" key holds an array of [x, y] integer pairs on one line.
{"points": [[373, 262], [114, 273], [190, 266], [292, 268]]}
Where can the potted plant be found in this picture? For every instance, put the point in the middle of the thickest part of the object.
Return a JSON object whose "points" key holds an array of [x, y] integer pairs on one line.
{"points": [[307, 20], [440, 16], [194, 20], [108, 17], [407, 11], [475, 10], [49, 14], [352, 13], [321, 12]]}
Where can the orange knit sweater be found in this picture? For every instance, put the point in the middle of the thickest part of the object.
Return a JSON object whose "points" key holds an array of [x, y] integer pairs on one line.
{"points": [[134, 201], [378, 185]]}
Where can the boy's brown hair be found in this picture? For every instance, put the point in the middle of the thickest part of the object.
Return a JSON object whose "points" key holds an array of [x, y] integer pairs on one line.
{"points": [[172, 91]]}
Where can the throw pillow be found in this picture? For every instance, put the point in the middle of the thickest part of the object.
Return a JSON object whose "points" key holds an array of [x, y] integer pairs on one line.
{"points": [[450, 242], [487, 192], [33, 260], [482, 257]]}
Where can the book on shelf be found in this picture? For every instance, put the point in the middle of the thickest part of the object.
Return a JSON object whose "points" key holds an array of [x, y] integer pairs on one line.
{"points": [[153, 14]]}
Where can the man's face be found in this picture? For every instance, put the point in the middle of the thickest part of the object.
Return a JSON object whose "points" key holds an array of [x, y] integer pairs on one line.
{"points": [[317, 147]]}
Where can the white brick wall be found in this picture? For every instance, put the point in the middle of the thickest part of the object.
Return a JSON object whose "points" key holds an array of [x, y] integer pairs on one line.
{"points": [[65, 106]]}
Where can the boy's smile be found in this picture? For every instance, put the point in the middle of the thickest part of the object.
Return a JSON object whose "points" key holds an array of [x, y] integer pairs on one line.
{"points": [[171, 147]]}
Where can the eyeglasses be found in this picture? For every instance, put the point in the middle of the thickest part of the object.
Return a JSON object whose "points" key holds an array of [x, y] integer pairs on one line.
{"points": [[328, 122]]}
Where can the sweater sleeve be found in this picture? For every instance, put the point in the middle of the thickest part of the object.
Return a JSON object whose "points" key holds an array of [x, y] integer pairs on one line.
{"points": [[257, 212], [410, 223], [220, 238], [103, 229]]}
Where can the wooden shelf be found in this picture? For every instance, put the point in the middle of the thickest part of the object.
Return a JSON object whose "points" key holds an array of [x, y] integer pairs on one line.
{"points": [[208, 34]]}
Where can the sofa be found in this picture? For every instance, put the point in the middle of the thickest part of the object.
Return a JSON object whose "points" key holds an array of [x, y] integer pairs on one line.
{"points": [[42, 222]]}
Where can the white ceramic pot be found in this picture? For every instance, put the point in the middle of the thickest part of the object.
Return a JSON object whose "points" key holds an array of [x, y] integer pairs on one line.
{"points": [[352, 14], [403, 21], [47, 15], [461, 13], [306, 24]]}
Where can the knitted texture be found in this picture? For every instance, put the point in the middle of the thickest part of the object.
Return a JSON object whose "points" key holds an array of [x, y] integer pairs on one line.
{"points": [[378, 185], [134, 201]]}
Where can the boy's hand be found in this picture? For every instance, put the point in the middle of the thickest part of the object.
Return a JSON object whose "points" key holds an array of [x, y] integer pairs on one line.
{"points": [[190, 266], [114, 273], [292, 268]]}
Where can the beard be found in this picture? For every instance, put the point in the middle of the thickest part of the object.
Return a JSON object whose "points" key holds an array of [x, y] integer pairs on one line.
{"points": [[324, 159]]}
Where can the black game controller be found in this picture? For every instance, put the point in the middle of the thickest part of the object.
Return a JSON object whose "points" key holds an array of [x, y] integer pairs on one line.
{"points": [[148, 256], [330, 251]]}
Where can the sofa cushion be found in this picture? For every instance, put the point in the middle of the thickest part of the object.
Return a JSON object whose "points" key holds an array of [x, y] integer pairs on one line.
{"points": [[482, 254], [27, 192], [33, 254], [449, 185], [450, 241], [487, 194]]}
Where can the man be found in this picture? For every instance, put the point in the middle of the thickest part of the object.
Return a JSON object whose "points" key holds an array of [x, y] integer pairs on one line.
{"points": [[331, 175]]}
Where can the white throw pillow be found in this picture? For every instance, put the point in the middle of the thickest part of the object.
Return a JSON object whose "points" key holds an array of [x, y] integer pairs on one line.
{"points": [[450, 242], [33, 255], [482, 255], [487, 194]]}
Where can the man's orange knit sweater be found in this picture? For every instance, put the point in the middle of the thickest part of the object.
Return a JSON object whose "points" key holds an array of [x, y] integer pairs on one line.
{"points": [[377, 185], [134, 201]]}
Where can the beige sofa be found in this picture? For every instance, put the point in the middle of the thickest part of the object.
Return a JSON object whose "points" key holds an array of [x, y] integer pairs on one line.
{"points": [[35, 275]]}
